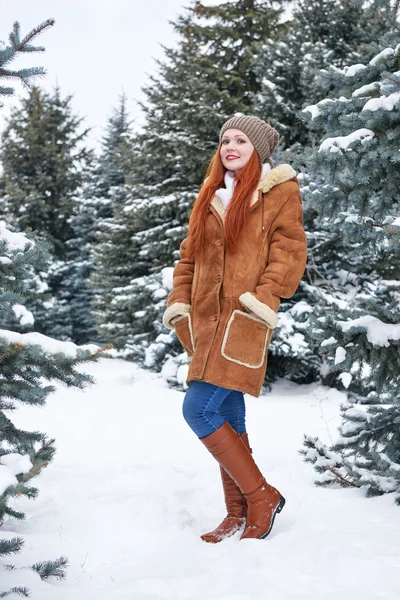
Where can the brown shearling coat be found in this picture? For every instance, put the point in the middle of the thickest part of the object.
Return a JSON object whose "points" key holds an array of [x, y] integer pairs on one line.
{"points": [[224, 305]]}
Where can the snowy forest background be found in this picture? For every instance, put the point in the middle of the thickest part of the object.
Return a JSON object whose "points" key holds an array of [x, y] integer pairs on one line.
{"points": [[99, 232]]}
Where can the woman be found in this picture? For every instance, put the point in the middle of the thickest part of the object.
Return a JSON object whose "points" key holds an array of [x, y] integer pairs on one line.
{"points": [[245, 249]]}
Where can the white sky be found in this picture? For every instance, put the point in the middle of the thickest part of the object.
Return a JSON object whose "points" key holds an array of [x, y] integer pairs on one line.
{"points": [[96, 49]]}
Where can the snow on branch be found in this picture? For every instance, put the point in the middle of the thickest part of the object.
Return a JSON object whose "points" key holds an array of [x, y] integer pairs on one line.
{"points": [[14, 241], [12, 464], [353, 70], [315, 109], [378, 332], [334, 144], [384, 102], [48, 345], [381, 56]]}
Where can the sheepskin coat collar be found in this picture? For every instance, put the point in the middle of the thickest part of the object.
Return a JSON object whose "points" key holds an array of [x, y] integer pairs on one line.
{"points": [[277, 175]]}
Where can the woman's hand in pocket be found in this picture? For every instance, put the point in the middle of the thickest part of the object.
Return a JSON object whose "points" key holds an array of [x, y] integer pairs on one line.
{"points": [[176, 318], [253, 314]]}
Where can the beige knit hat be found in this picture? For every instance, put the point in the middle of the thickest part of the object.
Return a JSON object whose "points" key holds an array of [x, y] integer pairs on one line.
{"points": [[263, 137]]}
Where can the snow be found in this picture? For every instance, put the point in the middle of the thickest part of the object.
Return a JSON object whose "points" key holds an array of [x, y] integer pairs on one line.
{"points": [[16, 463], [159, 293], [366, 89], [269, 84], [14, 241], [340, 355], [48, 345], [315, 109], [378, 332], [24, 316], [6, 479], [381, 55], [345, 378], [352, 219], [167, 274], [333, 144], [131, 488], [354, 70], [300, 308], [384, 102], [341, 301], [10, 465], [329, 341]]}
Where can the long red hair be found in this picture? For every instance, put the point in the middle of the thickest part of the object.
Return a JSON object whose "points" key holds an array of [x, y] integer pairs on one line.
{"points": [[246, 183]]}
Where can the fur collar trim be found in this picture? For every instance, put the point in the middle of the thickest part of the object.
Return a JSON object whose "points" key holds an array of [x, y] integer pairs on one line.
{"points": [[277, 175]]}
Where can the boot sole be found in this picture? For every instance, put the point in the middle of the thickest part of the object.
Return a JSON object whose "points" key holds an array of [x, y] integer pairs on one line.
{"points": [[278, 509]]}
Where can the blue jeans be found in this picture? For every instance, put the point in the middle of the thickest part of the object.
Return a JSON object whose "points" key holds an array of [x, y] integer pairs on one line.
{"points": [[206, 407]]}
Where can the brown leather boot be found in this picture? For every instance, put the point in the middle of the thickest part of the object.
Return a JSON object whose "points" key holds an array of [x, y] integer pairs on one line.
{"points": [[236, 506], [263, 500]]}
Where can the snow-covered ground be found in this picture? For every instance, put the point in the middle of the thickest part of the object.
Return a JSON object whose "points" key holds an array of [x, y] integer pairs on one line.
{"points": [[131, 489]]}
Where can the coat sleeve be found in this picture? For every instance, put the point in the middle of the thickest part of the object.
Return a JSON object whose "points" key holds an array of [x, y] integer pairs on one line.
{"points": [[286, 263], [179, 299]]}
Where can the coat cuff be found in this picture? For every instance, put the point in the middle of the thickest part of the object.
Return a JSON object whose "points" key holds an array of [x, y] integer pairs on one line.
{"points": [[177, 308], [260, 309]]}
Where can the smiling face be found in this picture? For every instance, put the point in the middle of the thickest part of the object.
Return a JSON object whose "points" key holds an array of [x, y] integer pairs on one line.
{"points": [[236, 150]]}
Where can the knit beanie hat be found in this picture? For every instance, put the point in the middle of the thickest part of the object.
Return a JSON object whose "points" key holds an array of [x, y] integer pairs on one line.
{"points": [[263, 137]]}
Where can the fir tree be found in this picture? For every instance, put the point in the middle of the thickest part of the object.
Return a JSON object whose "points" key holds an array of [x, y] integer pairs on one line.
{"points": [[106, 196], [199, 85], [357, 318], [28, 362], [293, 73], [71, 311], [321, 33], [75, 280], [43, 160]]}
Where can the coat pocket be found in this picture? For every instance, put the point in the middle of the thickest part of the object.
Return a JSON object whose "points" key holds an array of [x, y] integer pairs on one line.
{"points": [[184, 332], [246, 340]]}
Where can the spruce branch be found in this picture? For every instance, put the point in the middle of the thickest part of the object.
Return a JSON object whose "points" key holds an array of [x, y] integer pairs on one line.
{"points": [[51, 568], [21, 591], [13, 546], [19, 490], [342, 480], [24, 477], [395, 81], [18, 46], [11, 349], [23, 46]]}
